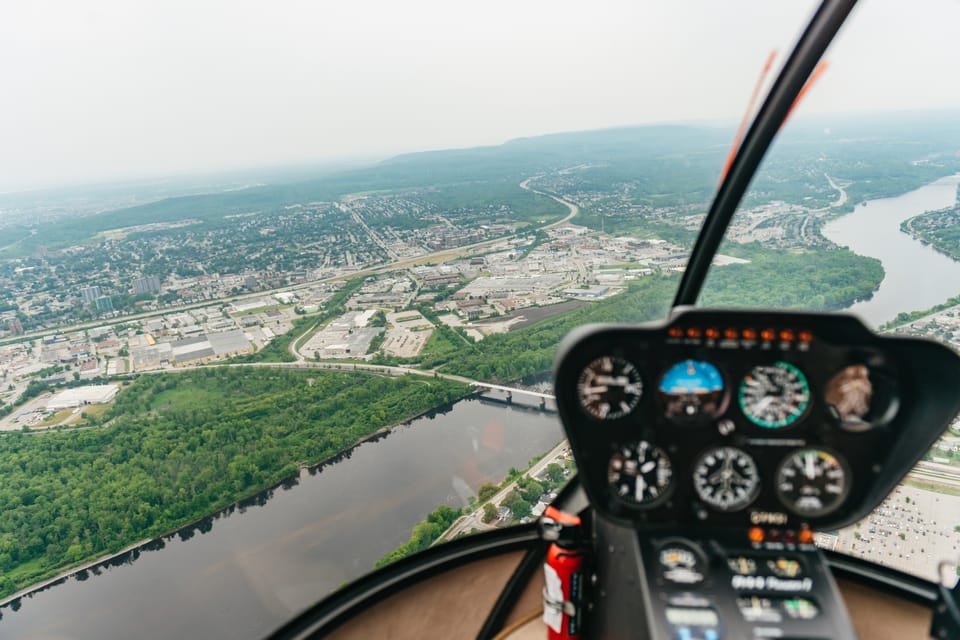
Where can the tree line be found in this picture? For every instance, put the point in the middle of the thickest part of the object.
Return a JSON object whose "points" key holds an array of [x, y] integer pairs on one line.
{"points": [[178, 447]]}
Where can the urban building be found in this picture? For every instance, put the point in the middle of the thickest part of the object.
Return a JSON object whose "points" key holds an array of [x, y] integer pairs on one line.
{"points": [[89, 294], [150, 284]]}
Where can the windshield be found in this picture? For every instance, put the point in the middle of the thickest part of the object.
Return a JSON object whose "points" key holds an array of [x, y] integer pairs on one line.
{"points": [[280, 290], [855, 208]]}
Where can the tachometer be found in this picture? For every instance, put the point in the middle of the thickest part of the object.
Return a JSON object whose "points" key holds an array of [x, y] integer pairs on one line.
{"points": [[812, 482], [726, 478], [640, 473], [609, 388], [774, 396], [690, 389]]}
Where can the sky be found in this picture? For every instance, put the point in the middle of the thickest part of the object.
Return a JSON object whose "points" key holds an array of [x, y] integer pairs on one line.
{"points": [[117, 89]]}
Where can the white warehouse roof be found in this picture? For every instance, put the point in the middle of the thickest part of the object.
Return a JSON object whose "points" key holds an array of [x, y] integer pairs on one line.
{"points": [[79, 396]]}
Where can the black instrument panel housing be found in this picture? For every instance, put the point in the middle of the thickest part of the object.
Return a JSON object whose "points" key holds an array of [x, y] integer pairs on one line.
{"points": [[915, 387]]}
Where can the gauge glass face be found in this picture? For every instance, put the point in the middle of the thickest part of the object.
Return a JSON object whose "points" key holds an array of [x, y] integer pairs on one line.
{"points": [[812, 482], [691, 389], [850, 392], [609, 388], [742, 565], [639, 473], [784, 567], [726, 478], [772, 610], [774, 396], [758, 609], [680, 563], [800, 609]]}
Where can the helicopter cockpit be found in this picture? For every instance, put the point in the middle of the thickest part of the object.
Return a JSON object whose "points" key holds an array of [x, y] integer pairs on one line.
{"points": [[708, 492], [712, 450]]}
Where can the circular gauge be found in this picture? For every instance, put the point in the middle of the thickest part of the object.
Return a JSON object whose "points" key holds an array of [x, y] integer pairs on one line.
{"points": [[609, 388], [691, 389], [742, 565], [784, 567], [850, 392], [774, 396], [800, 609], [640, 473], [812, 482], [726, 478], [681, 562]]}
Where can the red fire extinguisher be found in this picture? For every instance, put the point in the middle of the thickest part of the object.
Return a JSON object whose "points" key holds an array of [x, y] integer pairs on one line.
{"points": [[565, 574]]}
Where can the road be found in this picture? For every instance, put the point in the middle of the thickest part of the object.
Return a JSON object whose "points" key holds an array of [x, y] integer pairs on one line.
{"points": [[7, 422], [574, 209], [842, 197], [474, 520]]}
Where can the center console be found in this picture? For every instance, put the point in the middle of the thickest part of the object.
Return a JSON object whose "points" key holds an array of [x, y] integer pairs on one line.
{"points": [[710, 586]]}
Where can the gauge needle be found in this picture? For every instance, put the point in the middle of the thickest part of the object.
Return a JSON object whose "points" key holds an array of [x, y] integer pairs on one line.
{"points": [[763, 404], [641, 487], [596, 390], [648, 466], [808, 469]]}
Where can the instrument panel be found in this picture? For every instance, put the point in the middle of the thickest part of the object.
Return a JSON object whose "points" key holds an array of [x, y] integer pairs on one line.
{"points": [[738, 418]]}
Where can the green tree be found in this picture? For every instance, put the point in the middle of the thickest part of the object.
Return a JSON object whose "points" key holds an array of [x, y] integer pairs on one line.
{"points": [[555, 472], [487, 490], [489, 512]]}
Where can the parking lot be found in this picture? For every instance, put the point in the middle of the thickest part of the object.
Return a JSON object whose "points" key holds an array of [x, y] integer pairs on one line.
{"points": [[913, 530]]}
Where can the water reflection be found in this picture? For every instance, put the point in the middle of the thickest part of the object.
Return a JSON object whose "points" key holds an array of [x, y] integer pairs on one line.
{"points": [[277, 552]]}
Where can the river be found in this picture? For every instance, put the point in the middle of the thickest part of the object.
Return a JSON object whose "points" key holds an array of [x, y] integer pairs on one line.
{"points": [[242, 574], [916, 276]]}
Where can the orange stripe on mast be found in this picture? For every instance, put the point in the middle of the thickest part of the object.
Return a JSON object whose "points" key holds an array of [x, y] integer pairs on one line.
{"points": [[817, 72], [742, 130]]}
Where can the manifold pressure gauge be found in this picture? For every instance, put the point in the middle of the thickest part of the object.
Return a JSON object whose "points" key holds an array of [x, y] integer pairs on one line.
{"points": [[812, 482]]}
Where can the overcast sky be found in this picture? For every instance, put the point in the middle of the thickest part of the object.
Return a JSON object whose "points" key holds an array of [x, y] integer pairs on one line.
{"points": [[102, 90]]}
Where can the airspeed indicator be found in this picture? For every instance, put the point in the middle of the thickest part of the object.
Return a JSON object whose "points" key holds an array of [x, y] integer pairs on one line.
{"points": [[774, 396]]}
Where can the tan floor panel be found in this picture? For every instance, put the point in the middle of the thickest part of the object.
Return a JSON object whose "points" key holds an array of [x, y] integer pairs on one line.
{"points": [[456, 603], [877, 614], [451, 605]]}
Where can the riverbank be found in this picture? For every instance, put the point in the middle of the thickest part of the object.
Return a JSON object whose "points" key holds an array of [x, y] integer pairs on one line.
{"points": [[916, 275], [42, 579]]}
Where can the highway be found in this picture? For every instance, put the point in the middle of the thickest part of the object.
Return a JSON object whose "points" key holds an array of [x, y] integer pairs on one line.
{"points": [[474, 520]]}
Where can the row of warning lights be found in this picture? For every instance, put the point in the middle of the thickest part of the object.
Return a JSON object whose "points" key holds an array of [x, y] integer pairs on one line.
{"points": [[804, 536], [769, 335]]}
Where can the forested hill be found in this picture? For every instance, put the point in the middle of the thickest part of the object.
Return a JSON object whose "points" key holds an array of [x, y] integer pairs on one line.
{"points": [[881, 156], [658, 152]]}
